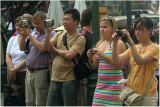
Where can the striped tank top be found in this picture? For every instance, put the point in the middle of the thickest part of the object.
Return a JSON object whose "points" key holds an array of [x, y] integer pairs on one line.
{"points": [[107, 90]]}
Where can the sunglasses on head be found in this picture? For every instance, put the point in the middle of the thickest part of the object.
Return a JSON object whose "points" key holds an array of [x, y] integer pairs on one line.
{"points": [[108, 19]]}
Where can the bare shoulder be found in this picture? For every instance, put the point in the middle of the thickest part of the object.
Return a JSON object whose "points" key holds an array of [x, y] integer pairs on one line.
{"points": [[121, 46]]}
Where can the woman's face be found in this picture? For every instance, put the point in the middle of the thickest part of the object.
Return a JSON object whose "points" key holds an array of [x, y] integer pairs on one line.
{"points": [[105, 29], [17, 27], [142, 33]]}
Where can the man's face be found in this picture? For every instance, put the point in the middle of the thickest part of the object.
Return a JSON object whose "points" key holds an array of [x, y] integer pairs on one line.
{"points": [[38, 23], [69, 23]]}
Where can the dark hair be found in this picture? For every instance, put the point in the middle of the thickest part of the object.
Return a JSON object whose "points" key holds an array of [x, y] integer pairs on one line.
{"points": [[144, 21], [122, 26], [86, 17], [133, 36], [74, 12], [40, 14]]}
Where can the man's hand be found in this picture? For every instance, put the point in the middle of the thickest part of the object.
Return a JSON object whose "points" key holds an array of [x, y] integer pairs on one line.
{"points": [[25, 31], [49, 29]]}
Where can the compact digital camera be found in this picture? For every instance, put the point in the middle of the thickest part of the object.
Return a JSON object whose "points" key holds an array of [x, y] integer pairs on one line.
{"points": [[120, 34], [49, 23], [25, 23], [93, 52]]}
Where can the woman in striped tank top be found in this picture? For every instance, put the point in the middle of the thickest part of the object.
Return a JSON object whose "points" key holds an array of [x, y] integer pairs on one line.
{"points": [[107, 89]]}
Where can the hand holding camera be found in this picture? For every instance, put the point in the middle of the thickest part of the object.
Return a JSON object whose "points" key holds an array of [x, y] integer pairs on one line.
{"points": [[24, 26], [122, 35], [49, 23], [25, 23], [92, 50]]}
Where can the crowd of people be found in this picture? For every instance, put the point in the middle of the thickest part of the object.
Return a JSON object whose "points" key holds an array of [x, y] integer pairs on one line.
{"points": [[28, 65]]}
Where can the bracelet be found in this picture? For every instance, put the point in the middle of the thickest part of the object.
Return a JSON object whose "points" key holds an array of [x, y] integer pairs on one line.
{"points": [[28, 36]]}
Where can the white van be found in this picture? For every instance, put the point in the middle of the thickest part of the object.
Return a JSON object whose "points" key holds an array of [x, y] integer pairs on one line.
{"points": [[123, 19]]}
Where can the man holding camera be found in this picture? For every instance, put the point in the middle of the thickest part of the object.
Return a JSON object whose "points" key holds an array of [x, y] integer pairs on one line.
{"points": [[63, 90], [36, 61]]}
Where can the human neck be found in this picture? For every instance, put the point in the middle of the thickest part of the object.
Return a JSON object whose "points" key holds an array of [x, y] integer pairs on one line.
{"points": [[89, 28], [71, 32], [108, 39], [146, 43]]}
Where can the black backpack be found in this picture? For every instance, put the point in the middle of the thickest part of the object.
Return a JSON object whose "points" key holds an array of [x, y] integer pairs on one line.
{"points": [[81, 70]]}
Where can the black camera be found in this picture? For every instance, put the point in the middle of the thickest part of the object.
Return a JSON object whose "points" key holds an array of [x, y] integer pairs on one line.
{"points": [[49, 23], [25, 23], [120, 34], [93, 52]]}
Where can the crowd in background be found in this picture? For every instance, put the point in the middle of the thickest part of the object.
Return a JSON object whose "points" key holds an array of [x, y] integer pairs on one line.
{"points": [[28, 65]]}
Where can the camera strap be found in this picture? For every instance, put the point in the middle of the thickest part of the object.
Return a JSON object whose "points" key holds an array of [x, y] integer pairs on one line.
{"points": [[27, 47]]}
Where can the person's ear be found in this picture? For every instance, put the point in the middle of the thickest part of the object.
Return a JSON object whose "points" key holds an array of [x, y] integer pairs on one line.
{"points": [[150, 30], [76, 21]]}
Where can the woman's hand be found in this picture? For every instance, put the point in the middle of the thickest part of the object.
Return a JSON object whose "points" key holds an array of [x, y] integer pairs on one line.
{"points": [[115, 38], [90, 53], [129, 39], [12, 74], [98, 52]]}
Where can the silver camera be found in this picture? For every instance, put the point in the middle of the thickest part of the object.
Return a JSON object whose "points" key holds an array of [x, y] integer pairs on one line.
{"points": [[49, 23], [25, 23]]}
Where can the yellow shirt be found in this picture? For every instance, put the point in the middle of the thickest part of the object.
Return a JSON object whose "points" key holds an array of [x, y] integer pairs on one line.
{"points": [[63, 69], [140, 75]]}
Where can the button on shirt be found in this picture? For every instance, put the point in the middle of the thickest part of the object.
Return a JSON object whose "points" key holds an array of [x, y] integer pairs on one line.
{"points": [[37, 59]]}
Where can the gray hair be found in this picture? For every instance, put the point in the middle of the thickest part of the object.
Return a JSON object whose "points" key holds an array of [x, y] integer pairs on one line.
{"points": [[40, 14]]}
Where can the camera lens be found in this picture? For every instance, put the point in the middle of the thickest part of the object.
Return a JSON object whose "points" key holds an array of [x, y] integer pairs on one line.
{"points": [[119, 33], [49, 23], [25, 23]]}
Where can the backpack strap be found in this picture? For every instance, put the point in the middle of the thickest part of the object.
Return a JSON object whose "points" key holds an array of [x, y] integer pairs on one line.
{"points": [[65, 44]]}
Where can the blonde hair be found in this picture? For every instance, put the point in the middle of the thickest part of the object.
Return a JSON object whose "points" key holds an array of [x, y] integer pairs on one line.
{"points": [[112, 22]]}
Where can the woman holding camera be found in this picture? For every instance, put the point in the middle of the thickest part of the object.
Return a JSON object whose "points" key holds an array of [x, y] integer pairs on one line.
{"points": [[107, 89], [143, 60]]}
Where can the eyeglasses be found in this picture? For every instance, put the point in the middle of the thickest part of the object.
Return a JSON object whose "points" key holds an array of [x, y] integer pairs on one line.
{"points": [[36, 24], [108, 19], [66, 19]]}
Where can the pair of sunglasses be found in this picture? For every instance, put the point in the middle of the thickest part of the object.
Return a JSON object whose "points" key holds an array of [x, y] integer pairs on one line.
{"points": [[108, 19]]}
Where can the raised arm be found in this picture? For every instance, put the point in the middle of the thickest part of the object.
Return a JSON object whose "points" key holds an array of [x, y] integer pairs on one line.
{"points": [[118, 57], [22, 42], [139, 59], [26, 34], [37, 44], [47, 43]]}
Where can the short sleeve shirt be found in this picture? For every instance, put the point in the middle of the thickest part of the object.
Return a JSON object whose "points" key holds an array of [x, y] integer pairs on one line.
{"points": [[37, 59], [140, 75], [62, 69], [17, 56]]}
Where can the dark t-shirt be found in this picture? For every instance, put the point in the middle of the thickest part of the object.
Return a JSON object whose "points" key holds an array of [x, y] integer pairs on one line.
{"points": [[89, 40]]}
